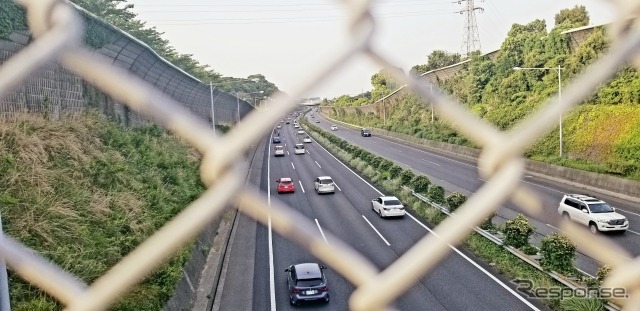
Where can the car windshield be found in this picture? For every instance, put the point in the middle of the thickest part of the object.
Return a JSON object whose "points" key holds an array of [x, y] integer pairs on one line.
{"points": [[600, 208], [326, 181], [309, 282], [392, 202], [279, 148], [299, 147], [286, 182]]}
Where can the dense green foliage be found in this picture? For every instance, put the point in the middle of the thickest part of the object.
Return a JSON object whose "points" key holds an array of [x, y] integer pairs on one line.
{"points": [[12, 18], [86, 193], [517, 231], [558, 253], [455, 200], [602, 135], [437, 59]]}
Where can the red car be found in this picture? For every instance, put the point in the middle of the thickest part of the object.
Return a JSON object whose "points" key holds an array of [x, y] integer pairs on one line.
{"points": [[285, 185]]}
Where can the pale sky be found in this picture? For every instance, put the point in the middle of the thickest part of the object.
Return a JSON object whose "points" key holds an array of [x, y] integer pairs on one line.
{"points": [[285, 40]]}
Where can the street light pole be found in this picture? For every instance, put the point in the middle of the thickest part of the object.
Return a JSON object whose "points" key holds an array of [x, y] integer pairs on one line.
{"points": [[559, 69], [560, 101], [213, 114], [431, 89]]}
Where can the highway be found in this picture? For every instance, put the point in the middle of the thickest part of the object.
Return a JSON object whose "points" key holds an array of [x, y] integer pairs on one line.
{"points": [[461, 174], [460, 282]]}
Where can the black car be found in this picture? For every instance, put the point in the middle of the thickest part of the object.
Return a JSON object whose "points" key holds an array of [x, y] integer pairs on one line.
{"points": [[365, 132], [306, 282], [276, 139]]}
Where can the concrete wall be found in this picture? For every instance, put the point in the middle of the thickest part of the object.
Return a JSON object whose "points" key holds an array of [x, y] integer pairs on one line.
{"points": [[56, 92], [611, 185]]}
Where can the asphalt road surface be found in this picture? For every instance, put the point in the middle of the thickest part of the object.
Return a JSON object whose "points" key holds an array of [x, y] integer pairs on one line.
{"points": [[460, 282]]}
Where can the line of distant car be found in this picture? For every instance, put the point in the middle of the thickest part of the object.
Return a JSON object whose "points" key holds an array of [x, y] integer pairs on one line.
{"points": [[307, 281]]}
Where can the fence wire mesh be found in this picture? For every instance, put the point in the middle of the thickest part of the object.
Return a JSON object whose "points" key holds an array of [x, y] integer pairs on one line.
{"points": [[58, 32]]}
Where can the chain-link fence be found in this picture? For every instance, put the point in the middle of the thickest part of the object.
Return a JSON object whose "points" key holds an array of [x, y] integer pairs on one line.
{"points": [[58, 32]]}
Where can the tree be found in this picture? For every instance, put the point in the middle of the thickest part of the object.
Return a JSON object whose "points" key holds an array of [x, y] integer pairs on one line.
{"points": [[576, 17], [437, 59]]}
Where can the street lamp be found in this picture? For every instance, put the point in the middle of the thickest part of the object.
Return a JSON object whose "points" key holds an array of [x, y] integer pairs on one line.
{"points": [[211, 88], [559, 69], [238, 100]]}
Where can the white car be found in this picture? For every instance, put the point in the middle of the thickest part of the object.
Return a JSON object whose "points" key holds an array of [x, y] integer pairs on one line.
{"points": [[278, 126], [334, 127], [591, 212], [300, 132], [279, 151], [306, 139], [298, 149], [295, 125], [324, 184], [387, 206]]}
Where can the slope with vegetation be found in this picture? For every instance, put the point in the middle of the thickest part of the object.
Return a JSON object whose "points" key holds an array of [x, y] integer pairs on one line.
{"points": [[602, 134], [85, 193]]}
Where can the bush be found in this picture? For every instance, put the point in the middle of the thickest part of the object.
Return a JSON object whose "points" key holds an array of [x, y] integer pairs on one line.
{"points": [[558, 253], [420, 184], [385, 165], [375, 161], [454, 200], [517, 231], [436, 194], [487, 224], [406, 177], [394, 171], [529, 249], [581, 304]]}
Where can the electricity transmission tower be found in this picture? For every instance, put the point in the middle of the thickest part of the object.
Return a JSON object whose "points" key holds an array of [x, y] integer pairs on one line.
{"points": [[471, 38]]}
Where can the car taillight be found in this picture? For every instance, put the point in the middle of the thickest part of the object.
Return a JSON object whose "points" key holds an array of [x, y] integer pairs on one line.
{"points": [[296, 291], [324, 288]]}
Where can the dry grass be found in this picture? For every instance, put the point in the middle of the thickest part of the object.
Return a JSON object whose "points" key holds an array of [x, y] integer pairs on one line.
{"points": [[84, 192]]}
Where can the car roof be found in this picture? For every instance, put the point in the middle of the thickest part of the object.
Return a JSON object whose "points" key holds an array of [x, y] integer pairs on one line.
{"points": [[285, 179], [585, 198], [308, 271], [384, 198], [299, 145], [324, 177]]}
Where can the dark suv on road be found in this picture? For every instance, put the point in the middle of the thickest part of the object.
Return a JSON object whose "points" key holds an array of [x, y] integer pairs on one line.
{"points": [[365, 132], [306, 282]]}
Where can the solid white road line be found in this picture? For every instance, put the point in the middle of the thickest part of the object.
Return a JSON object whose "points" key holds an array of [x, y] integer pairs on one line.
{"points": [[480, 179], [432, 154], [633, 232], [301, 187], [272, 279], [308, 152], [626, 211], [334, 183], [293, 166], [554, 227], [376, 230], [530, 305], [321, 232], [318, 164], [434, 163]]}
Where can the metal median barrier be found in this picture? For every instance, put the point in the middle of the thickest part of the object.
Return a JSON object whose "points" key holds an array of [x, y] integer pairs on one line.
{"points": [[58, 31]]}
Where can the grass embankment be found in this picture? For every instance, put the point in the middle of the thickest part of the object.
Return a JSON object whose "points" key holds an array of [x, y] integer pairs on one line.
{"points": [[597, 138], [85, 192], [502, 261]]}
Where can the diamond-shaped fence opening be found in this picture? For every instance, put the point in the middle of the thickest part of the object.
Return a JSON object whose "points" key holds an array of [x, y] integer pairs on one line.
{"points": [[58, 32]]}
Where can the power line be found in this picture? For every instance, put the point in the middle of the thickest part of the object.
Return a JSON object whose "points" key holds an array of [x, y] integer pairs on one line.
{"points": [[471, 38]]}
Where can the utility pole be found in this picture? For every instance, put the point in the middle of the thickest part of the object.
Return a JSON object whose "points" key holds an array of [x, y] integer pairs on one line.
{"points": [[471, 38]]}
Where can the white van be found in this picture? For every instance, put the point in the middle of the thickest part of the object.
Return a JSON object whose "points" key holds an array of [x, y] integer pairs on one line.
{"points": [[298, 149]]}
